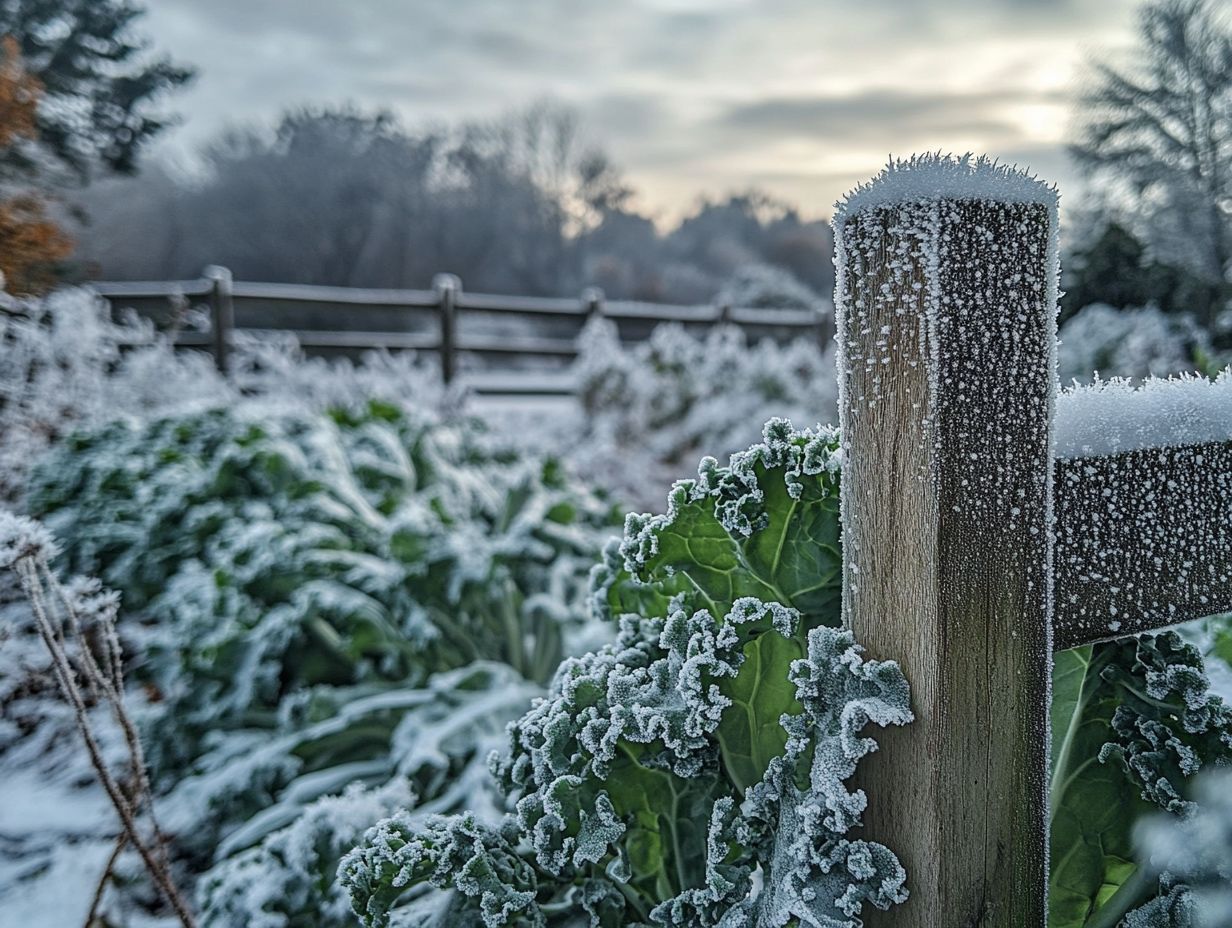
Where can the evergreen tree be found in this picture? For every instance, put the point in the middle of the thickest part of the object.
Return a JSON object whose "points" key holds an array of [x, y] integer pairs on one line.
{"points": [[100, 86], [1164, 126], [1115, 269]]}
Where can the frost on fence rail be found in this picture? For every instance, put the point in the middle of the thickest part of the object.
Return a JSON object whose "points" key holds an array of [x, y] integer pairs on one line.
{"points": [[1112, 416], [1143, 501]]}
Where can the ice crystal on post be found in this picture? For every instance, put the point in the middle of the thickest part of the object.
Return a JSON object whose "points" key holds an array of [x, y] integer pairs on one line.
{"points": [[694, 771]]}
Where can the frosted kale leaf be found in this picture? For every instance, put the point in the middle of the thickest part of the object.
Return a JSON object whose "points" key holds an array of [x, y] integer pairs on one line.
{"points": [[1132, 722], [1192, 857], [458, 853], [287, 880], [765, 526], [693, 772], [277, 553]]}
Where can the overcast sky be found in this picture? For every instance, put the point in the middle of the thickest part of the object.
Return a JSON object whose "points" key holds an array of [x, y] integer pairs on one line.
{"points": [[799, 97]]}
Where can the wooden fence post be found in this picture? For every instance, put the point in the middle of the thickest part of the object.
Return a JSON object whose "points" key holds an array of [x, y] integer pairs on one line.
{"points": [[222, 314], [448, 288], [592, 301], [946, 298]]}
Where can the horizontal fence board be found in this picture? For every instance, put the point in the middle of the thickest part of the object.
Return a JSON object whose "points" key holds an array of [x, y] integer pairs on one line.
{"points": [[346, 296], [479, 302], [656, 312], [523, 305], [777, 318], [1143, 540], [519, 345], [536, 384], [151, 289], [366, 341]]}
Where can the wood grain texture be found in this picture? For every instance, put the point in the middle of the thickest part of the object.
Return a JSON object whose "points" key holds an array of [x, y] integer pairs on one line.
{"points": [[946, 392], [1144, 540]]}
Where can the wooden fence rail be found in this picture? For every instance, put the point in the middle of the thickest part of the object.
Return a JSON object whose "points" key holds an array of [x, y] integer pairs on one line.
{"points": [[447, 320], [970, 553]]}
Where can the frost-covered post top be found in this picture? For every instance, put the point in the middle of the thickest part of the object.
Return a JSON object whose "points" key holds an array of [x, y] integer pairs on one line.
{"points": [[946, 177], [945, 303]]}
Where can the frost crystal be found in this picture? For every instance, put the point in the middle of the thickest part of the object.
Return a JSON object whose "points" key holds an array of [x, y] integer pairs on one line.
{"points": [[938, 176], [1113, 416], [23, 538]]}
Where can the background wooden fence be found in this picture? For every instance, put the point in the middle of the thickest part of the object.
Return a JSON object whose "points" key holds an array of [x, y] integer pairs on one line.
{"points": [[504, 344]]}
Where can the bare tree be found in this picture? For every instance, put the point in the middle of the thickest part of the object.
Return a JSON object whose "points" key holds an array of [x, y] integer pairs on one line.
{"points": [[1164, 126]]}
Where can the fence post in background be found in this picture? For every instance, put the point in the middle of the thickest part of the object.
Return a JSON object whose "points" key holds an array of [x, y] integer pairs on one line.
{"points": [[593, 302], [724, 315], [946, 295], [222, 314], [448, 288]]}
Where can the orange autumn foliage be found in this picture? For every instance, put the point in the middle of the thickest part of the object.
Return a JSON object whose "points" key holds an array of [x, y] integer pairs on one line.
{"points": [[19, 95], [31, 244]]}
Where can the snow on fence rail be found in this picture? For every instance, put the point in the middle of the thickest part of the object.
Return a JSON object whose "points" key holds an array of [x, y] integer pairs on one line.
{"points": [[946, 300], [431, 320]]}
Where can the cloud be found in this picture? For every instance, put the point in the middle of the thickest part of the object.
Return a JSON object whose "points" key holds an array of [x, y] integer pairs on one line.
{"points": [[690, 96], [877, 114]]}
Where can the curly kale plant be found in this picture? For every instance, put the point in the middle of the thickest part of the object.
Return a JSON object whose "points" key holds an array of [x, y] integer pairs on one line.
{"points": [[694, 771], [1132, 722], [300, 587], [1193, 860], [275, 552]]}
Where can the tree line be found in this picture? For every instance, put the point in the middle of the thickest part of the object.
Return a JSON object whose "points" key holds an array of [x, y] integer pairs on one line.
{"points": [[515, 205]]}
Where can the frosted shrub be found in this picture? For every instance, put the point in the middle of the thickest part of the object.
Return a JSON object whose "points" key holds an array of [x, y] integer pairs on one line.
{"points": [[763, 286], [650, 408], [1137, 342], [65, 363]]}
